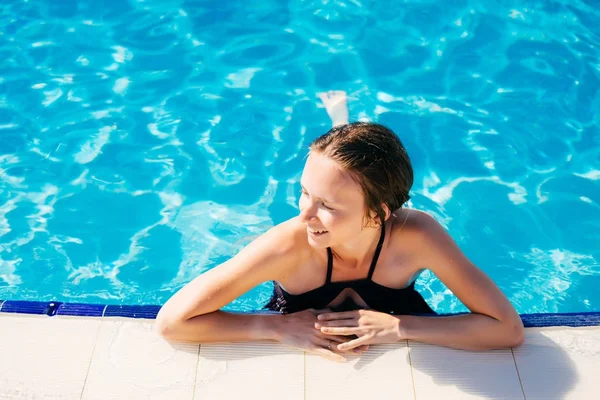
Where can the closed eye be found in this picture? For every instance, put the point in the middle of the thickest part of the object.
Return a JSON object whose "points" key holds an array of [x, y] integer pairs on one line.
{"points": [[305, 193]]}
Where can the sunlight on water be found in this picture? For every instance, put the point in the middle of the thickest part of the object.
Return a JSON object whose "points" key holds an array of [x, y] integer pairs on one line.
{"points": [[145, 142]]}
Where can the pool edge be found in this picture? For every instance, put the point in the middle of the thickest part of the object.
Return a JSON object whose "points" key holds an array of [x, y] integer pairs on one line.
{"points": [[53, 308]]}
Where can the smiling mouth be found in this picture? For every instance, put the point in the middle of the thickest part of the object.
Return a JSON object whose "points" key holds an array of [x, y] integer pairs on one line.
{"points": [[317, 232]]}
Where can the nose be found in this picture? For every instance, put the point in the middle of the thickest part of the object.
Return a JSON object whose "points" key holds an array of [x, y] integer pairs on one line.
{"points": [[308, 214]]}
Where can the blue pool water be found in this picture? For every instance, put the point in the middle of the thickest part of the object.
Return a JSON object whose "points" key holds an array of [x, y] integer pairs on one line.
{"points": [[145, 142]]}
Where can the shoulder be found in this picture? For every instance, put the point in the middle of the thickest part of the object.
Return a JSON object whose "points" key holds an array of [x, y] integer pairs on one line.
{"points": [[271, 256], [287, 240], [414, 224], [430, 243], [289, 235], [419, 231]]}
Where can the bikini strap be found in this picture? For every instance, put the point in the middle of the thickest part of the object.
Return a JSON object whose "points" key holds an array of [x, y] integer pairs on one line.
{"points": [[377, 251], [329, 265], [373, 262]]}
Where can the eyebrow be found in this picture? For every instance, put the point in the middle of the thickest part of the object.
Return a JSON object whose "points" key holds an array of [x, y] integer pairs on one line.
{"points": [[320, 198]]}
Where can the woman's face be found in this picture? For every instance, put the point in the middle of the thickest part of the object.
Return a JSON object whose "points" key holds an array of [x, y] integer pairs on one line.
{"points": [[332, 204]]}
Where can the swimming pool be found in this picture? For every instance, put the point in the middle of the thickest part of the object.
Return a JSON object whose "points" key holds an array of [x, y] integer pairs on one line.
{"points": [[144, 142]]}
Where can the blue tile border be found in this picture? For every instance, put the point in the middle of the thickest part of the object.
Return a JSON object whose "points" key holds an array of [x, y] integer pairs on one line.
{"points": [[30, 307], [561, 319], [52, 308], [132, 311], [80, 310]]}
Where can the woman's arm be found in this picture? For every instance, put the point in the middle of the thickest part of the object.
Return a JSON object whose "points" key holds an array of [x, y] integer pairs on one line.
{"points": [[463, 332], [192, 314], [220, 326], [493, 322]]}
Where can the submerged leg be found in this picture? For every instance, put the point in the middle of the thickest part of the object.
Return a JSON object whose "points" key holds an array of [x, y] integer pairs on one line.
{"points": [[336, 105]]}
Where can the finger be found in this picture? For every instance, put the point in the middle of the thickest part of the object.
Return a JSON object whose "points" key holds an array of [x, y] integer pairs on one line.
{"points": [[337, 322], [341, 331], [337, 315], [323, 342], [357, 350], [319, 311], [361, 341], [335, 342], [330, 355], [354, 352], [332, 343], [329, 345], [338, 339]]}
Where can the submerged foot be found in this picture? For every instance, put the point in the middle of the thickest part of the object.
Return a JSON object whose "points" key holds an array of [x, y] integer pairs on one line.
{"points": [[336, 105]]}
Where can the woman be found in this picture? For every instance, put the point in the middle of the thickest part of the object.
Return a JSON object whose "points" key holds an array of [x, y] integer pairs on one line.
{"points": [[344, 268]]}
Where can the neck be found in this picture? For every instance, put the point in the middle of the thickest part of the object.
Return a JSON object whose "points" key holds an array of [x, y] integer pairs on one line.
{"points": [[359, 251]]}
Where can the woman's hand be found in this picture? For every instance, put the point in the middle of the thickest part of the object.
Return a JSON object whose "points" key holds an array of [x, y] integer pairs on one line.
{"points": [[371, 327], [298, 330]]}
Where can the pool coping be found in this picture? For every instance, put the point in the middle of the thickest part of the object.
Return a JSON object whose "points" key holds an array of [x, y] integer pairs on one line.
{"points": [[54, 308]]}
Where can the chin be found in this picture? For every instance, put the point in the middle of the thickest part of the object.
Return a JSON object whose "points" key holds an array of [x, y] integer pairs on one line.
{"points": [[318, 243]]}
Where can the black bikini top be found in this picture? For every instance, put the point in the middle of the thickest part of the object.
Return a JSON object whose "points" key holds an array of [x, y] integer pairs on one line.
{"points": [[377, 297]]}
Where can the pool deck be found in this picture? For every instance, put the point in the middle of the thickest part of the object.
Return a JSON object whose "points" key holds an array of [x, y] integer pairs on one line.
{"points": [[112, 357]]}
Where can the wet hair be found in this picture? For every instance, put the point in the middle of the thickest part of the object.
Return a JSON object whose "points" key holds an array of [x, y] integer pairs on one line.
{"points": [[375, 158]]}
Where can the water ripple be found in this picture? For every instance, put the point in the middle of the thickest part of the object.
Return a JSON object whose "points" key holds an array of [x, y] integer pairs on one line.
{"points": [[144, 142]]}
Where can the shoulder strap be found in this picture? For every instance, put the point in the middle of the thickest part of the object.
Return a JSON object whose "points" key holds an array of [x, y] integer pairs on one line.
{"points": [[329, 265], [377, 251]]}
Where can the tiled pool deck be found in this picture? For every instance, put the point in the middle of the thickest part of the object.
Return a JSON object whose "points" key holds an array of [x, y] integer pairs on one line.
{"points": [[55, 351]]}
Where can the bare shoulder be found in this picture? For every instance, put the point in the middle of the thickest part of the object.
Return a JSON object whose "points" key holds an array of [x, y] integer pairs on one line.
{"points": [[285, 235], [433, 248], [272, 256], [420, 234], [412, 224], [431, 245], [287, 238]]}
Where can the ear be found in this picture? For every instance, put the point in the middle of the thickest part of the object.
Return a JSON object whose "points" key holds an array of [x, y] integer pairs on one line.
{"points": [[387, 211]]}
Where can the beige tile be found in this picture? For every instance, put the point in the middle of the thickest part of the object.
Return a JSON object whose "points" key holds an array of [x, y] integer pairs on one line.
{"points": [[444, 373], [132, 362], [250, 371], [45, 357], [560, 363], [382, 372]]}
